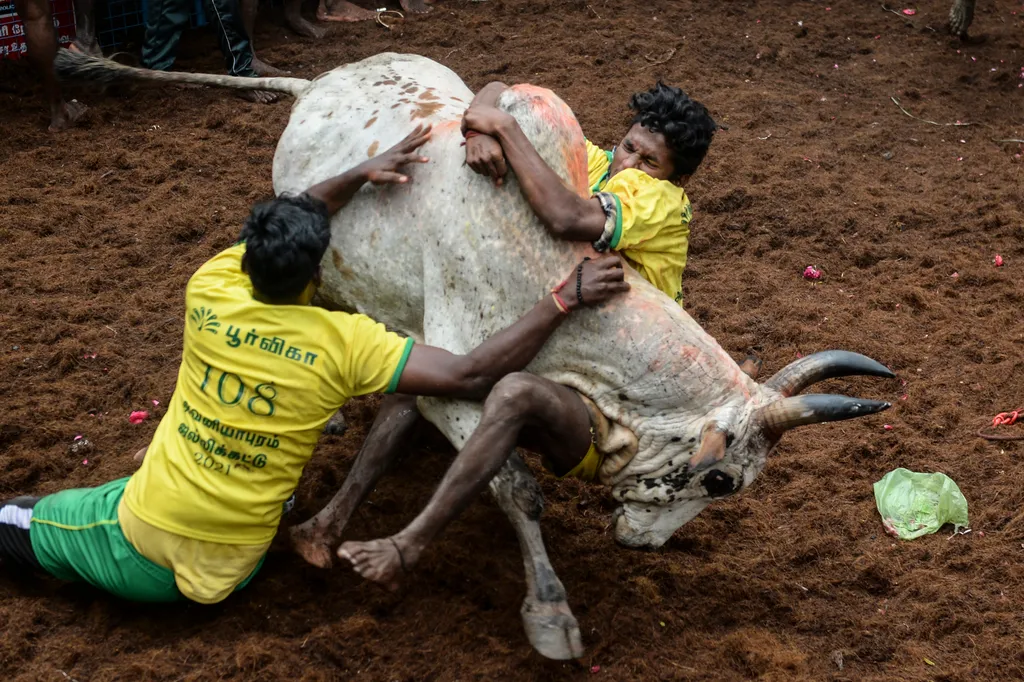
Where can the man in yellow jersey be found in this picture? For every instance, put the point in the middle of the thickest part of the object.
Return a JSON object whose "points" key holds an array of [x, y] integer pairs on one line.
{"points": [[262, 371], [637, 204], [637, 207]]}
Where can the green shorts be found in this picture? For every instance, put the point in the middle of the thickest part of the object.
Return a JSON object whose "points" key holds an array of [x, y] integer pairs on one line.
{"points": [[76, 536]]}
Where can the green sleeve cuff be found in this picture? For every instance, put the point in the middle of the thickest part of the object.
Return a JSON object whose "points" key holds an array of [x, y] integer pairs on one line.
{"points": [[396, 377], [617, 235]]}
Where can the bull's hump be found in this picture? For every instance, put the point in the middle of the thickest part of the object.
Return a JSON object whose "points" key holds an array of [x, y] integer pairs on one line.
{"points": [[358, 110]]}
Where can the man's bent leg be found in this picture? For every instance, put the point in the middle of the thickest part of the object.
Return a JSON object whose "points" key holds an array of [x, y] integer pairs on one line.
{"points": [[76, 536], [315, 539], [518, 402]]}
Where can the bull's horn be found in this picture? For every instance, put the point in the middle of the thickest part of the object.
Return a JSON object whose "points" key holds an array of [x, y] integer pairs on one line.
{"points": [[828, 364], [815, 408], [711, 450]]}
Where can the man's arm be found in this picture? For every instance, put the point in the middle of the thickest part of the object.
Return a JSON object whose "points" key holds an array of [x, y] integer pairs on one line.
{"points": [[436, 372], [380, 170], [566, 214]]}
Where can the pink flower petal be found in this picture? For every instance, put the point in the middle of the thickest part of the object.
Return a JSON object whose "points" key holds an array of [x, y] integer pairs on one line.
{"points": [[998, 260], [811, 272], [595, 668], [910, 12], [887, 427], [155, 403], [78, 437], [138, 416], [85, 462]]}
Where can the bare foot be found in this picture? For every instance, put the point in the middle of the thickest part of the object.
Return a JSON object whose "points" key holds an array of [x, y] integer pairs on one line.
{"points": [[259, 96], [66, 115], [310, 542], [382, 561], [266, 70], [304, 28], [415, 6], [345, 11]]}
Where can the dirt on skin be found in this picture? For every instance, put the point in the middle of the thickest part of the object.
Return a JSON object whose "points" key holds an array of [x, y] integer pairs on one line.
{"points": [[794, 579]]}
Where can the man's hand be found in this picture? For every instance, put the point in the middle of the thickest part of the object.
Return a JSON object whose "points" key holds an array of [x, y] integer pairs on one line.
{"points": [[485, 120], [384, 169], [485, 157], [601, 279]]}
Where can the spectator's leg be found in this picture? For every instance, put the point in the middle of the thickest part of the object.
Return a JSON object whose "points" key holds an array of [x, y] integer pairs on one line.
{"points": [[41, 40], [249, 10], [85, 28], [293, 17], [164, 25], [226, 19]]}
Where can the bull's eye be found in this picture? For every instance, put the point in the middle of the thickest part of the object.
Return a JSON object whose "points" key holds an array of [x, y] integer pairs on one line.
{"points": [[718, 483], [676, 439]]}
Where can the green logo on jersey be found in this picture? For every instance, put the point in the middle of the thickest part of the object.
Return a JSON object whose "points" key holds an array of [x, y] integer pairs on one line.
{"points": [[205, 320]]}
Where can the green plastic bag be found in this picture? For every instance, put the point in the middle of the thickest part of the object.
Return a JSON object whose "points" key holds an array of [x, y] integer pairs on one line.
{"points": [[913, 504]]}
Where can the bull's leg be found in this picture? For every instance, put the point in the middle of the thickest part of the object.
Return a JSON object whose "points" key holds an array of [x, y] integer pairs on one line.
{"points": [[315, 539], [961, 14], [521, 407], [547, 618]]}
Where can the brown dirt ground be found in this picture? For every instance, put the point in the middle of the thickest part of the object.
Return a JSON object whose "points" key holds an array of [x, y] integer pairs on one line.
{"points": [[102, 226]]}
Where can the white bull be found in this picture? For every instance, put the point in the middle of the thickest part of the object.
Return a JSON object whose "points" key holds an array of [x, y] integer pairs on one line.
{"points": [[450, 259]]}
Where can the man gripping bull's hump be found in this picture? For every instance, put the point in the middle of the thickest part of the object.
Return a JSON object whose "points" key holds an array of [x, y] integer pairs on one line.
{"points": [[637, 204], [262, 371]]}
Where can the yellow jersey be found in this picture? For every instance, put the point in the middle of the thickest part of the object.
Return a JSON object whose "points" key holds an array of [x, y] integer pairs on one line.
{"points": [[256, 386], [652, 221]]}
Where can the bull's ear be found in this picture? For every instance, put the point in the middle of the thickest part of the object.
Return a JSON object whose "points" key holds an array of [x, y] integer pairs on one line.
{"points": [[712, 448]]}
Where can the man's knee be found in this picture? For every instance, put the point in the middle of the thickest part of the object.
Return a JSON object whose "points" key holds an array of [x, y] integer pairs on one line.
{"points": [[517, 394]]}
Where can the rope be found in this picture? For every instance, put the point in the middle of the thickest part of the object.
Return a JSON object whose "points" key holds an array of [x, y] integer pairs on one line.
{"points": [[1003, 419]]}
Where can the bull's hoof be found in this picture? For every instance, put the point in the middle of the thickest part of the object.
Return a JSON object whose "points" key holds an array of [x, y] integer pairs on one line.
{"points": [[336, 426], [552, 630]]}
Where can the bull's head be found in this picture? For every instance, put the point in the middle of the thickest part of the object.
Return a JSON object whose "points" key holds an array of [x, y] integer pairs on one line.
{"points": [[720, 452]]}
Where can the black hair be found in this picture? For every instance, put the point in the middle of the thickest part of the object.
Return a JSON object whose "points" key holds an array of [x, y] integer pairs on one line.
{"points": [[285, 239], [685, 123]]}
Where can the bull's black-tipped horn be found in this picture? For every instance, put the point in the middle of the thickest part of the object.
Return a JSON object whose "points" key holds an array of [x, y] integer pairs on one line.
{"points": [[815, 408], [828, 364]]}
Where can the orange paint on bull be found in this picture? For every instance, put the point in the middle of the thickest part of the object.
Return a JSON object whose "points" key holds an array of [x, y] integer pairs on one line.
{"points": [[370, 123], [372, 151], [553, 111]]}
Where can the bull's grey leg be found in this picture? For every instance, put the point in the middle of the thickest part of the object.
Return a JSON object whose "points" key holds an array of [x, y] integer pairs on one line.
{"points": [[547, 618], [552, 413], [315, 539], [961, 14]]}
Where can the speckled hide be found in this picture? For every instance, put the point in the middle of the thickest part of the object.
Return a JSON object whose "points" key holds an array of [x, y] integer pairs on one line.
{"points": [[450, 259]]}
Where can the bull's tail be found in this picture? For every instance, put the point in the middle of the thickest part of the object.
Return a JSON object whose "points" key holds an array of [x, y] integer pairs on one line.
{"points": [[71, 65]]}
